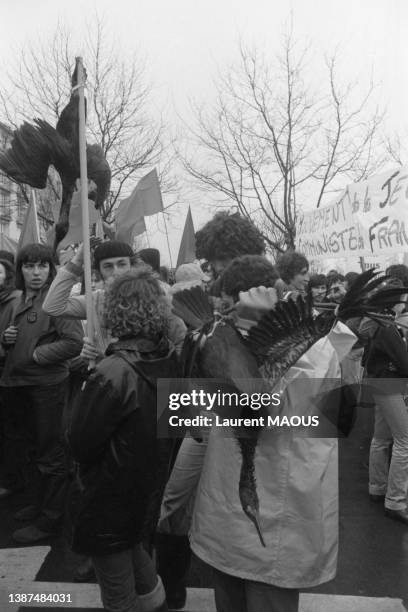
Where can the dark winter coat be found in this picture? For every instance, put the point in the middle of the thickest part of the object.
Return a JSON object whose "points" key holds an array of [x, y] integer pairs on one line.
{"points": [[55, 341], [8, 303], [386, 357], [123, 465]]}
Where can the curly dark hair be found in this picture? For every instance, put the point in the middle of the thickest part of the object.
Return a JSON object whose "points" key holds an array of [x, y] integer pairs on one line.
{"points": [[399, 271], [226, 236], [291, 263], [246, 272], [135, 304], [33, 253]]}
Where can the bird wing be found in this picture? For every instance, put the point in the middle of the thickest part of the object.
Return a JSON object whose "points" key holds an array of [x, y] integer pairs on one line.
{"points": [[194, 307], [285, 333], [363, 298], [28, 158], [216, 350], [60, 150]]}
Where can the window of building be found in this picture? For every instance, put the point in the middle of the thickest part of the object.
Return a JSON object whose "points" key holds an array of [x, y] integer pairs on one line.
{"points": [[5, 206]]}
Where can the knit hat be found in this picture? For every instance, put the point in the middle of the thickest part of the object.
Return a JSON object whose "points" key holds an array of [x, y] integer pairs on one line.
{"points": [[150, 257], [188, 276], [111, 248]]}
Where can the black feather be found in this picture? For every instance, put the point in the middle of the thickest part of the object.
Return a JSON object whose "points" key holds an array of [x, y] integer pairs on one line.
{"points": [[35, 147], [194, 307]]}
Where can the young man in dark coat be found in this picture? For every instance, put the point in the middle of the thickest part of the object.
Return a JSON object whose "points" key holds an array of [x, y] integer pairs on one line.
{"points": [[123, 465], [34, 381]]}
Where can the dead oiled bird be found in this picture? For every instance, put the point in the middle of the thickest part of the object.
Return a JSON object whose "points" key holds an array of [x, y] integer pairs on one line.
{"points": [[35, 147], [214, 348]]}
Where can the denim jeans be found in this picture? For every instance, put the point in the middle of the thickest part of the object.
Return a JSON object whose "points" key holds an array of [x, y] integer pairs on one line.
{"points": [[180, 493], [391, 429], [124, 575], [237, 595], [34, 452]]}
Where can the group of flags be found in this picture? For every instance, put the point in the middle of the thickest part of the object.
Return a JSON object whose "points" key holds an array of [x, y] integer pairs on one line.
{"points": [[145, 200]]}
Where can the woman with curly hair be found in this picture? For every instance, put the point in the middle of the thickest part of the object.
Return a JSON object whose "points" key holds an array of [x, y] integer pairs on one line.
{"points": [[122, 465]]}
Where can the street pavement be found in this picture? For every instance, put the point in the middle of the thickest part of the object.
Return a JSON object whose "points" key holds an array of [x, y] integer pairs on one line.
{"points": [[373, 557]]}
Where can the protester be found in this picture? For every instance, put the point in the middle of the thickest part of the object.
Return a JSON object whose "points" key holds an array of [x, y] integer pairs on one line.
{"points": [[399, 271], [112, 258], [223, 238], [387, 361], [297, 485], [317, 286], [9, 297], [123, 465], [150, 257], [336, 288], [293, 268], [8, 255], [349, 279], [34, 382], [189, 275]]}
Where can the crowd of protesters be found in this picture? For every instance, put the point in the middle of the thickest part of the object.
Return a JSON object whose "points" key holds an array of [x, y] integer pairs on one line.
{"points": [[85, 438]]}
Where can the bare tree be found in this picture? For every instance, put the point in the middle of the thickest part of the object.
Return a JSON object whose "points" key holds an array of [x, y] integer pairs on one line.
{"points": [[119, 117], [275, 137], [397, 149]]}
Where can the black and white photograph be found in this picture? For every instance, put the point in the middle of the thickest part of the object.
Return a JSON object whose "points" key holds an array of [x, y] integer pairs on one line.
{"points": [[204, 306]]}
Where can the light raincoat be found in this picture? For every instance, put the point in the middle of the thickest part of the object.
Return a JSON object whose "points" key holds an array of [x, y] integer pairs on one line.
{"points": [[297, 484]]}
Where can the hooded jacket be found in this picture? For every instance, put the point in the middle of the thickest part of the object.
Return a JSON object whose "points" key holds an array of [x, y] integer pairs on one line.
{"points": [[123, 465]]}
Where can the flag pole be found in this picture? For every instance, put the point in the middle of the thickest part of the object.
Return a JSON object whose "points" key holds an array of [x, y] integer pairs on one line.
{"points": [[84, 202], [37, 228], [167, 237]]}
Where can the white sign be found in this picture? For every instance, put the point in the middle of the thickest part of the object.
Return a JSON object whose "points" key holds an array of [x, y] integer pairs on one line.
{"points": [[368, 218]]}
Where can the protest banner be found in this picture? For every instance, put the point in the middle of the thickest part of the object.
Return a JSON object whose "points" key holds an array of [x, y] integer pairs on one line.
{"points": [[368, 218], [330, 231]]}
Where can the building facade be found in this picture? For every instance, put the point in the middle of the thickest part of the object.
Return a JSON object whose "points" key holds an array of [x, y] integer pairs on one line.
{"points": [[13, 203]]}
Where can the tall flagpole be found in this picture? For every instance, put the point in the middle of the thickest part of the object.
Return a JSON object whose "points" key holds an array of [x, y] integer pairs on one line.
{"points": [[84, 201], [34, 202], [167, 236]]}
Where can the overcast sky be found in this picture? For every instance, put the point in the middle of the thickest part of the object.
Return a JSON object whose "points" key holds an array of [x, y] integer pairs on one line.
{"points": [[186, 41]]}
